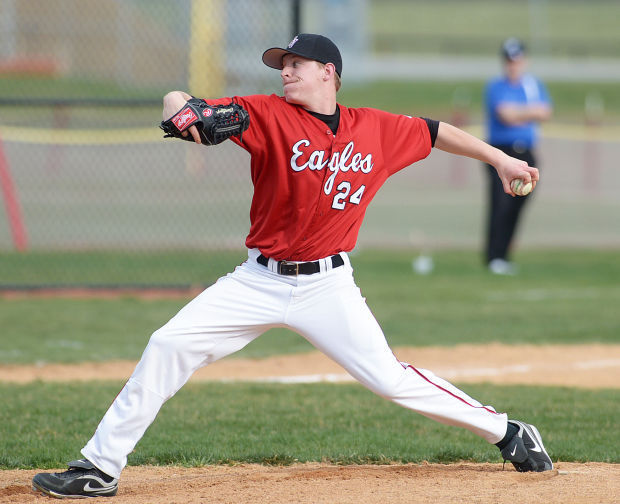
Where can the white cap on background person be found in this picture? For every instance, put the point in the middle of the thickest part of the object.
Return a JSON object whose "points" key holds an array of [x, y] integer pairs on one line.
{"points": [[513, 49]]}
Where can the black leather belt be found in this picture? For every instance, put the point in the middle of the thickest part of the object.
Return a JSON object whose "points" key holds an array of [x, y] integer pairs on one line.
{"points": [[304, 268]]}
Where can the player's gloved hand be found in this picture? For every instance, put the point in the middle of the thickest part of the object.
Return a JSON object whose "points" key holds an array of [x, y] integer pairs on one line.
{"points": [[215, 123]]}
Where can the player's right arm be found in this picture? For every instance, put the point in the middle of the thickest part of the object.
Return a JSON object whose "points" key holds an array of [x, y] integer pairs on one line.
{"points": [[175, 101], [456, 141]]}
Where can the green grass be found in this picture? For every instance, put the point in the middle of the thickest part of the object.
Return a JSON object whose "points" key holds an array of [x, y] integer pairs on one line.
{"points": [[63, 88], [439, 99], [566, 296], [433, 99], [557, 27], [44, 425], [559, 297], [37, 268]]}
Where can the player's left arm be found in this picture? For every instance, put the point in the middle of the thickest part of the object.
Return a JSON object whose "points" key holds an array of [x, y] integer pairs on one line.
{"points": [[209, 123], [456, 141], [538, 109], [515, 114]]}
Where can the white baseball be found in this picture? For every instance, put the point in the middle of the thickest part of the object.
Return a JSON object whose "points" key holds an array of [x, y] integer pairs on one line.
{"points": [[423, 265], [520, 188]]}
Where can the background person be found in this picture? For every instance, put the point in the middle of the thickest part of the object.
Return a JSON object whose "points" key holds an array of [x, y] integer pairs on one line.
{"points": [[515, 104]]}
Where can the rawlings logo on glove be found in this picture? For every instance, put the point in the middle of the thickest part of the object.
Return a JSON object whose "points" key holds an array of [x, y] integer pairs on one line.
{"points": [[215, 123], [184, 119]]}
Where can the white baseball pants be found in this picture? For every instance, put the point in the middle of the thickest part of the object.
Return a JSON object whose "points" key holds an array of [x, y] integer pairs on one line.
{"points": [[326, 308]]}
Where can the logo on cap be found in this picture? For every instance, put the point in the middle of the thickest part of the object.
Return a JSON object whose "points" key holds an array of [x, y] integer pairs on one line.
{"points": [[292, 42]]}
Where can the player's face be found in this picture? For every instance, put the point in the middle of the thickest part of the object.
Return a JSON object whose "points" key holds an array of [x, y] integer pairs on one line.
{"points": [[515, 68], [301, 78]]}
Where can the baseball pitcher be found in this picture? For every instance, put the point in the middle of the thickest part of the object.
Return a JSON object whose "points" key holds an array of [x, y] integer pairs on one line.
{"points": [[315, 165]]}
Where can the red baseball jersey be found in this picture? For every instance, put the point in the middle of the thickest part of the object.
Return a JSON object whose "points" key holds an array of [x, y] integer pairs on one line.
{"points": [[312, 188]]}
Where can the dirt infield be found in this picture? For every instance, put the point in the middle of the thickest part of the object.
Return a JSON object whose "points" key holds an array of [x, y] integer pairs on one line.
{"points": [[591, 366], [319, 483], [583, 366]]}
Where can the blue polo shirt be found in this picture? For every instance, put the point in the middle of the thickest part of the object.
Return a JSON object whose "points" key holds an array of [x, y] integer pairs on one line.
{"points": [[528, 90]]}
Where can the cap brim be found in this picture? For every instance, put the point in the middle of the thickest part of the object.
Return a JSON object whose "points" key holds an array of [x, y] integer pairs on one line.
{"points": [[273, 57]]}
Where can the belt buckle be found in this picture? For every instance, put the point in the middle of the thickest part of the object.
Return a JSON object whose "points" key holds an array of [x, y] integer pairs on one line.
{"points": [[288, 268]]}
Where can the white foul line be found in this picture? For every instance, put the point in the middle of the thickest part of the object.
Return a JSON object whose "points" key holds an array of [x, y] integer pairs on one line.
{"points": [[446, 373]]}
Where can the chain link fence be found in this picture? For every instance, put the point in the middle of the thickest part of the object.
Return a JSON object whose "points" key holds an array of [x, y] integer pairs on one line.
{"points": [[83, 167]]}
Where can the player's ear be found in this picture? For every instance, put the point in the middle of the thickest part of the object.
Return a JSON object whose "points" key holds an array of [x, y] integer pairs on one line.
{"points": [[328, 71]]}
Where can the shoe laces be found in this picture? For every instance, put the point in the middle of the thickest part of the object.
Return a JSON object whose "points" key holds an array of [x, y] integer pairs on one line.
{"points": [[72, 472]]}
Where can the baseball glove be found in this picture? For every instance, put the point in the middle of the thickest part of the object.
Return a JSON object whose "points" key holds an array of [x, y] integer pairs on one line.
{"points": [[215, 123]]}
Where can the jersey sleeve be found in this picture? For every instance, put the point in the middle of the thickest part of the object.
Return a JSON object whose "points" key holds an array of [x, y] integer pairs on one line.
{"points": [[433, 129], [405, 140], [258, 108]]}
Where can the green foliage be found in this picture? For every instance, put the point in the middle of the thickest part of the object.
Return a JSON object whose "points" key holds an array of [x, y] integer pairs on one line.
{"points": [[558, 297], [44, 425]]}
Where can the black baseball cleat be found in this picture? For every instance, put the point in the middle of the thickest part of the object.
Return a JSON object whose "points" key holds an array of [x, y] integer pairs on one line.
{"points": [[82, 479], [525, 449]]}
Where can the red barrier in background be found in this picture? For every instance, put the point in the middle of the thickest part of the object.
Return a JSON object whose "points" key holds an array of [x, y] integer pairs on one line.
{"points": [[11, 204]]}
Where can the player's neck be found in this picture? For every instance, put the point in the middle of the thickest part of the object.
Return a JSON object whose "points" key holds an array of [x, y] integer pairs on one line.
{"points": [[324, 105]]}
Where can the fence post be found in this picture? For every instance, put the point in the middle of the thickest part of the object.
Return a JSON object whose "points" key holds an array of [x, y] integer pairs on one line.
{"points": [[594, 109], [461, 102], [296, 20], [206, 48]]}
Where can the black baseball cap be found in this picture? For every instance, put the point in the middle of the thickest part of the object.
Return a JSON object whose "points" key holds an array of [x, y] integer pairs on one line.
{"points": [[513, 49], [307, 45]]}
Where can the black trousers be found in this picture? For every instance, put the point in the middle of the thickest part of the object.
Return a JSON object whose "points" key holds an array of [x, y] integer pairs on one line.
{"points": [[503, 210]]}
